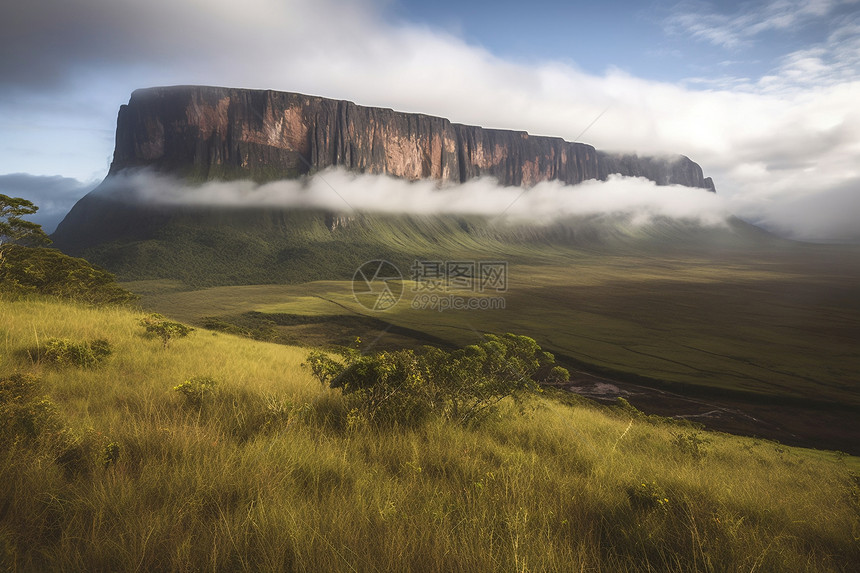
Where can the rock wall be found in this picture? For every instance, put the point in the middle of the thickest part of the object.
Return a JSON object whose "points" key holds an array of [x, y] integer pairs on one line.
{"points": [[224, 133]]}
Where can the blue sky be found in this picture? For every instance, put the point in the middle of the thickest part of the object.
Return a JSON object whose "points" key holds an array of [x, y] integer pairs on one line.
{"points": [[592, 35], [689, 42], [760, 93]]}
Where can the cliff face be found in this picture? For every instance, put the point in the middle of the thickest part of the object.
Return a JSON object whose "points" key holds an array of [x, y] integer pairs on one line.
{"points": [[207, 132]]}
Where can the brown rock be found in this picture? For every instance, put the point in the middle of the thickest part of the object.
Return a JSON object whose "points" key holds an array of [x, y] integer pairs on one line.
{"points": [[208, 132]]}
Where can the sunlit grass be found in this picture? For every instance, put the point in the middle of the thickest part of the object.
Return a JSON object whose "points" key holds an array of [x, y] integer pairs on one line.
{"points": [[265, 475]]}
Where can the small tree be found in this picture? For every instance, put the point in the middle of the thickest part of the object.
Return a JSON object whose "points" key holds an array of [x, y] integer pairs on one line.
{"points": [[14, 229], [470, 381], [156, 325], [49, 272], [27, 268], [405, 386]]}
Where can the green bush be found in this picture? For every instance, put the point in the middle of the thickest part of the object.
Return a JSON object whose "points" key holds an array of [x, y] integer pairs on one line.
{"points": [[196, 389], [31, 270], [158, 326], [25, 414], [63, 352], [470, 381], [110, 454], [28, 268], [648, 495], [691, 444], [406, 386]]}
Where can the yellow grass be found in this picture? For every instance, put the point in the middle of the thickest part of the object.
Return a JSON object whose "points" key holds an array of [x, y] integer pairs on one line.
{"points": [[267, 475]]}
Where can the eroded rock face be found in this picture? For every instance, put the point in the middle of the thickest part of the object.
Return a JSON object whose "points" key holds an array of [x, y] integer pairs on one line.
{"points": [[208, 132]]}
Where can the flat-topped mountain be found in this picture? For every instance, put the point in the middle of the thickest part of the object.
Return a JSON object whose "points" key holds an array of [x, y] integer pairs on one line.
{"points": [[198, 134], [225, 133]]}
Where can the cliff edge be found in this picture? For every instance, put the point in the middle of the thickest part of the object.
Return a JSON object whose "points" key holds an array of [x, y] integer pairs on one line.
{"points": [[203, 133]]}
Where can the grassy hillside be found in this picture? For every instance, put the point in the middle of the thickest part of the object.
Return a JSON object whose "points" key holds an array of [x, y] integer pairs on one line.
{"points": [[211, 247], [116, 470]]}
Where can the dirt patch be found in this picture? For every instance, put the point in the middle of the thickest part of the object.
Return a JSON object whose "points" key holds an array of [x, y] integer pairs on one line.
{"points": [[818, 427]]}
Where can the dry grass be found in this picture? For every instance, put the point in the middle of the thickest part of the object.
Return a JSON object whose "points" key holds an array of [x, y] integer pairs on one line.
{"points": [[265, 475]]}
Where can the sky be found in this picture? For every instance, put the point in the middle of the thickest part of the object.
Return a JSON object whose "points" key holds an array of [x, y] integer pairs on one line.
{"points": [[762, 94]]}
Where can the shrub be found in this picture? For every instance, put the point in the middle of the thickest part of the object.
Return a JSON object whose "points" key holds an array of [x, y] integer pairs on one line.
{"points": [[385, 387], [470, 381], [624, 406], [196, 389], [691, 444], [26, 270], [110, 454], [406, 386], [25, 414], [158, 326], [557, 375], [64, 352], [648, 495]]}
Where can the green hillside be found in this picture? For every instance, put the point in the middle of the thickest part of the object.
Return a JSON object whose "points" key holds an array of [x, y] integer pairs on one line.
{"points": [[204, 247], [109, 467]]}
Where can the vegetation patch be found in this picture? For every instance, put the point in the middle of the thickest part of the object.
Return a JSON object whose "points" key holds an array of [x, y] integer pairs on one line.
{"points": [[691, 444], [407, 386], [26, 267], [32, 427], [158, 326], [648, 495], [196, 389], [31, 270], [26, 414], [62, 352], [255, 326]]}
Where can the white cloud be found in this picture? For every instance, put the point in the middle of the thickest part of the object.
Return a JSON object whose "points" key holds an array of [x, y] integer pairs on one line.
{"points": [[701, 21], [337, 190], [832, 62], [828, 216]]}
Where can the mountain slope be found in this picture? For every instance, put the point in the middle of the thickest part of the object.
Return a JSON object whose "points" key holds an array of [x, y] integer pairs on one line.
{"points": [[221, 246]]}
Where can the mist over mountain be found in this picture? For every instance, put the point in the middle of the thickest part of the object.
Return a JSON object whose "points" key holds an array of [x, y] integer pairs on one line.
{"points": [[338, 190], [280, 179]]}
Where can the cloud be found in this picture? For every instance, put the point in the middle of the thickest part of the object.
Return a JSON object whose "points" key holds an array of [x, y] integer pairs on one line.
{"points": [[637, 199], [789, 135], [699, 20], [50, 42], [829, 216], [53, 195], [828, 63]]}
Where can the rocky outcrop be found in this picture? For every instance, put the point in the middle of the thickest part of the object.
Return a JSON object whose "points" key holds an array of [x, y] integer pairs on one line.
{"points": [[223, 133]]}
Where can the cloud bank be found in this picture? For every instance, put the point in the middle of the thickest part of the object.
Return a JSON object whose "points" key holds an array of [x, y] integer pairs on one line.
{"points": [[638, 199], [53, 195]]}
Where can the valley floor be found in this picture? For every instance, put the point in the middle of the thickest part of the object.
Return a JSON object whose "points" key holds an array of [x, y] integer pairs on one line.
{"points": [[759, 342]]}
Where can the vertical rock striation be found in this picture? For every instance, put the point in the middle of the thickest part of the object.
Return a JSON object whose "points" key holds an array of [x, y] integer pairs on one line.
{"points": [[224, 133]]}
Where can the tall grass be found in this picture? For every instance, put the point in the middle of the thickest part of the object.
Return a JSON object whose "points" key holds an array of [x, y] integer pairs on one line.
{"points": [[265, 474]]}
